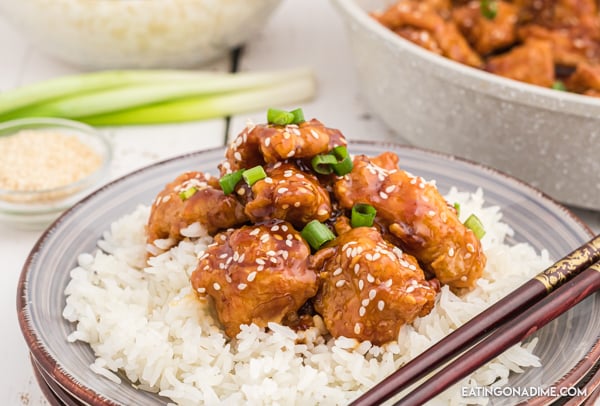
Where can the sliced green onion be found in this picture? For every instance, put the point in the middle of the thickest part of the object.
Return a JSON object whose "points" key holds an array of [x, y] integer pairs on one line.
{"points": [[559, 85], [344, 164], [362, 215], [457, 208], [160, 96], [489, 8], [253, 175], [229, 181], [323, 164], [337, 160], [186, 194], [298, 116], [316, 234], [475, 225], [279, 117]]}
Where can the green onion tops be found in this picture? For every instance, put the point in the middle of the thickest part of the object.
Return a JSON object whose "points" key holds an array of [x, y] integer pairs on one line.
{"points": [[229, 181], [253, 175], [362, 215], [317, 234]]}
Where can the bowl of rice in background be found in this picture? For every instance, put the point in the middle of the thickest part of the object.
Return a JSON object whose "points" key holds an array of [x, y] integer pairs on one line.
{"points": [[111, 328], [546, 137], [106, 34], [47, 165]]}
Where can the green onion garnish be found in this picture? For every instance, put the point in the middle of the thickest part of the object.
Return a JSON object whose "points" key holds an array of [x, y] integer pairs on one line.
{"points": [[316, 234], [229, 181], [337, 160], [126, 97], [253, 175], [559, 85], [475, 225], [362, 215], [323, 163], [279, 117], [344, 164], [298, 116], [489, 8], [457, 208], [186, 194]]}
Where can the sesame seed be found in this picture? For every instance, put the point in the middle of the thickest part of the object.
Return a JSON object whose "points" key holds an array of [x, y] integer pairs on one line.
{"points": [[322, 212], [376, 256], [273, 260], [241, 258], [372, 294], [357, 328], [361, 311], [251, 276], [271, 253], [260, 268], [237, 156], [451, 252], [365, 302], [388, 283], [201, 290], [410, 289], [356, 268], [289, 243], [297, 204], [236, 256], [264, 238], [228, 278], [470, 247], [370, 278], [216, 286], [337, 272], [431, 213], [275, 228], [282, 190], [260, 261], [267, 142], [390, 189], [242, 286], [268, 180], [254, 232], [361, 284], [291, 153], [314, 134], [463, 278], [383, 195], [340, 283], [381, 305]]}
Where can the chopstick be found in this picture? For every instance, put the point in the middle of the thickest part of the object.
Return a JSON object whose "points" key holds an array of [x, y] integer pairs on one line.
{"points": [[580, 264], [540, 314]]}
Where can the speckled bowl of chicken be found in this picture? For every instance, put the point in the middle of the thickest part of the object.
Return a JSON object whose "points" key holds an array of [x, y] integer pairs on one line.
{"points": [[481, 80]]}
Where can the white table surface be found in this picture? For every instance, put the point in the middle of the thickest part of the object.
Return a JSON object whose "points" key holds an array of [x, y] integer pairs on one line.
{"points": [[320, 43]]}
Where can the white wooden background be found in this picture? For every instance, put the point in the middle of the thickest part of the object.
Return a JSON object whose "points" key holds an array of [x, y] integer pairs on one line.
{"points": [[309, 27]]}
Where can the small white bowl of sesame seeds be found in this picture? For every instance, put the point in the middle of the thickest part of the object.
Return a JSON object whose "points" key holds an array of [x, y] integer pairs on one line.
{"points": [[46, 166]]}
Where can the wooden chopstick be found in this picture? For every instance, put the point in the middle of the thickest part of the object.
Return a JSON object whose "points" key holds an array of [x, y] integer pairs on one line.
{"points": [[525, 297], [509, 334]]}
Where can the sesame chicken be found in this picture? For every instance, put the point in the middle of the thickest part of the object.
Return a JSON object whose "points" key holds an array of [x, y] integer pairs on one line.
{"points": [[416, 213], [192, 197], [370, 288], [256, 274]]}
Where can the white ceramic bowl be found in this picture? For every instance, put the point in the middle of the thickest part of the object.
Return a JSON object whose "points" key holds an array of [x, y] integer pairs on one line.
{"points": [[138, 33], [548, 138]]}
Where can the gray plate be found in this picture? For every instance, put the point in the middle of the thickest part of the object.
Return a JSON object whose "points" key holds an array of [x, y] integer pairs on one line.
{"points": [[568, 346]]}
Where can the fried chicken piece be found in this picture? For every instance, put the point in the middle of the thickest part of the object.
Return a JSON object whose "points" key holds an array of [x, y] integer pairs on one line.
{"points": [[192, 197], [571, 45], [370, 288], [415, 213], [555, 13], [289, 194], [487, 35], [585, 79], [423, 17], [256, 274], [269, 143], [531, 62]]}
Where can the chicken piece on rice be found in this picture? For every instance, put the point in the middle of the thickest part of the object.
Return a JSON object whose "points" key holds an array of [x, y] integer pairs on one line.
{"points": [[192, 197], [258, 144], [416, 214], [370, 288], [289, 194], [256, 274]]}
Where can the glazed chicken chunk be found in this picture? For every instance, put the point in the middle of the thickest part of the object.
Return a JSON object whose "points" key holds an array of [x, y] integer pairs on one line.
{"points": [[269, 143], [192, 197], [370, 288], [289, 194], [256, 274], [414, 211]]}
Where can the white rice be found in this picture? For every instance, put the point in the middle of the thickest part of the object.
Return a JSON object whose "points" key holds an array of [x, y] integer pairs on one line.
{"points": [[144, 322]]}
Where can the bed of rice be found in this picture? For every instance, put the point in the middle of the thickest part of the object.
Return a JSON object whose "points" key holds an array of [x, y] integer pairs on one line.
{"points": [[144, 322]]}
